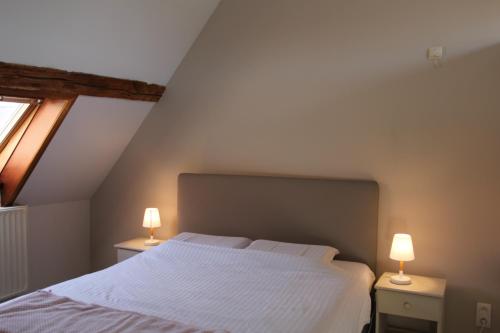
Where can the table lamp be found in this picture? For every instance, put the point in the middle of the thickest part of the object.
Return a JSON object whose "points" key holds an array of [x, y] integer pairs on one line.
{"points": [[402, 250], [151, 221]]}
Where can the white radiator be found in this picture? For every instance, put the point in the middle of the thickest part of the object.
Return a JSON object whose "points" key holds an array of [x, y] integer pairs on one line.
{"points": [[13, 251]]}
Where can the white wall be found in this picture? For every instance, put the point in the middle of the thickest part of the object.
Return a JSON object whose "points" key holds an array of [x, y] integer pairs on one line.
{"points": [[58, 248]]}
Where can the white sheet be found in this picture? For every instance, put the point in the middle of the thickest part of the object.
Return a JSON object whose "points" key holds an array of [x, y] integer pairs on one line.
{"points": [[235, 289], [357, 270], [367, 277]]}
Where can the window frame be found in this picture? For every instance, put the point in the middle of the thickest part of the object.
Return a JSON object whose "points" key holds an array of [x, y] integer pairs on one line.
{"points": [[33, 105], [38, 129]]}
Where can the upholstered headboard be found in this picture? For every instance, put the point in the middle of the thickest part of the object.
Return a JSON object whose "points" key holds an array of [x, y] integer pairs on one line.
{"points": [[341, 213]]}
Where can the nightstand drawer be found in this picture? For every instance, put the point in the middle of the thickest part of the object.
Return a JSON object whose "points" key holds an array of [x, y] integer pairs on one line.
{"points": [[123, 254], [409, 305]]}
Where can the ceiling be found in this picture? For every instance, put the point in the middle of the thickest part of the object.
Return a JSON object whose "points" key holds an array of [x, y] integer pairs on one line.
{"points": [[84, 149], [143, 40]]}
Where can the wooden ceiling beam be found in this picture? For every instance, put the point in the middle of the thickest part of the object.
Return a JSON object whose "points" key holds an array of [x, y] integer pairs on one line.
{"points": [[32, 81]]}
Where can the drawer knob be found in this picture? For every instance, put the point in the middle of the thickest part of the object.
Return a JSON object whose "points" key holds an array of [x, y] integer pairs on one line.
{"points": [[407, 305]]}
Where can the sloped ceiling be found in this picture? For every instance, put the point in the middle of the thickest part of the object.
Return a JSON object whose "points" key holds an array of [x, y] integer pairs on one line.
{"points": [[143, 40], [84, 149]]}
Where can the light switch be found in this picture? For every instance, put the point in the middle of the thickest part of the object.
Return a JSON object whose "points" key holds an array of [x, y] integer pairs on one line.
{"points": [[435, 53]]}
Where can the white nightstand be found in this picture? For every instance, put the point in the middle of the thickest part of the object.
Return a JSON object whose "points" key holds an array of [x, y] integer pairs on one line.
{"points": [[423, 299], [130, 248]]}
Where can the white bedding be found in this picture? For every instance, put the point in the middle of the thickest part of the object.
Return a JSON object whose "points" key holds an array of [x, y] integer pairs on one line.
{"points": [[234, 289]]}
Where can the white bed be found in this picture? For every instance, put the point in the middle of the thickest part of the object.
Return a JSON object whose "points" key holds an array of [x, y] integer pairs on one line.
{"points": [[239, 290]]}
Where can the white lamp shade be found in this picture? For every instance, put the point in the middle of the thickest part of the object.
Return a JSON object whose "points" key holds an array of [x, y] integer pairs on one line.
{"points": [[151, 218], [402, 248]]}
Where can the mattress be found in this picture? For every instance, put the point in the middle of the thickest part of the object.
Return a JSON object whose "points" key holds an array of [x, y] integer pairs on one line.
{"points": [[233, 289]]}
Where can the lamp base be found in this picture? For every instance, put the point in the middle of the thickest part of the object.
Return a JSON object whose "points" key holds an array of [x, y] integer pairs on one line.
{"points": [[151, 242], [400, 279]]}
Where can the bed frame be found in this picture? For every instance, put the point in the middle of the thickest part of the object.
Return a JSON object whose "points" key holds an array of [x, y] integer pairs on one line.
{"points": [[341, 213]]}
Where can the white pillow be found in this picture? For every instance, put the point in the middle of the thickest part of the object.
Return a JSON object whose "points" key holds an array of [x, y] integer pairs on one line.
{"points": [[318, 252], [221, 241]]}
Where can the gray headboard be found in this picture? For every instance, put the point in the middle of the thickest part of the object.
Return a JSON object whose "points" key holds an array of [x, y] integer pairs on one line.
{"points": [[341, 213]]}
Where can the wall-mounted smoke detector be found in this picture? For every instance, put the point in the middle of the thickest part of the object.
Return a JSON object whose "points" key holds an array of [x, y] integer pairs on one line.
{"points": [[435, 55]]}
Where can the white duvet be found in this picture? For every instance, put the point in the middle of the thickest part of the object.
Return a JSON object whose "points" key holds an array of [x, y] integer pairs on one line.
{"points": [[234, 289]]}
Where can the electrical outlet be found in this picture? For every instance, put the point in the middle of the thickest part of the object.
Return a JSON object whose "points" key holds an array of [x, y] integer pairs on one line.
{"points": [[483, 315]]}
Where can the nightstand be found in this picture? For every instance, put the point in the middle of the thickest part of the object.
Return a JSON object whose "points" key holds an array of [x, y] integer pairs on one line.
{"points": [[130, 248], [422, 299]]}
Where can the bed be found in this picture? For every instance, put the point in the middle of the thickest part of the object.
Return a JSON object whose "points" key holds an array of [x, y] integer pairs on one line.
{"points": [[188, 287]]}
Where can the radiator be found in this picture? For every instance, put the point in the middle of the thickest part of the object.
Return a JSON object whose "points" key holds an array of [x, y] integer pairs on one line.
{"points": [[13, 251]]}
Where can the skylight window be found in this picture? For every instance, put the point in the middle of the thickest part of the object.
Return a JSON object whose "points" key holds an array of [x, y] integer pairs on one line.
{"points": [[11, 112], [26, 127]]}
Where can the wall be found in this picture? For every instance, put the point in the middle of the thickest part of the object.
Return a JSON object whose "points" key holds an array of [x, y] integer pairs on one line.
{"points": [[338, 89], [58, 247]]}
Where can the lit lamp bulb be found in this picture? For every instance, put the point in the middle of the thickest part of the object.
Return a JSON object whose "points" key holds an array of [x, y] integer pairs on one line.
{"points": [[401, 250], [151, 221]]}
